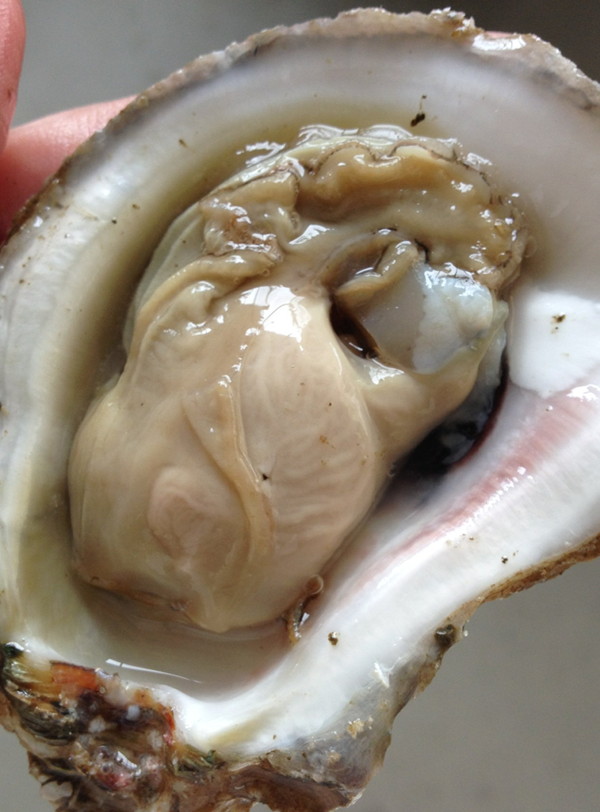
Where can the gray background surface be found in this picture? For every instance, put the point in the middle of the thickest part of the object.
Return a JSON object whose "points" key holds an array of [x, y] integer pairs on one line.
{"points": [[512, 721]]}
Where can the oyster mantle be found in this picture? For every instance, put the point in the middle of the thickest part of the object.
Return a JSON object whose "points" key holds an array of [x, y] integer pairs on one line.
{"points": [[330, 767]]}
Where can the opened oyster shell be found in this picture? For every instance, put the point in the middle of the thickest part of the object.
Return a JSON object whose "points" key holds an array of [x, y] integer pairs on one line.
{"points": [[131, 703]]}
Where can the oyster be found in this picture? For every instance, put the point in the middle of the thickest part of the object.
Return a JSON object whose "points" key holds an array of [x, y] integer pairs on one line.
{"points": [[159, 703]]}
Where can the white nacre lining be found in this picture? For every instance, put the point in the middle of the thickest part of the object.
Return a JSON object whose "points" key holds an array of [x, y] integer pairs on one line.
{"points": [[561, 328]]}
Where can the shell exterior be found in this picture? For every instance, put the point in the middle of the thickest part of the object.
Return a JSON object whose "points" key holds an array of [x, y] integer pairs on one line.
{"points": [[122, 712]]}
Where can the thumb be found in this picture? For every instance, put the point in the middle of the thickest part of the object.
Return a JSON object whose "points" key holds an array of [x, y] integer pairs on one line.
{"points": [[12, 43]]}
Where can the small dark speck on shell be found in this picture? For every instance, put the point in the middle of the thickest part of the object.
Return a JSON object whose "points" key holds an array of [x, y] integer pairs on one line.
{"points": [[420, 116], [446, 636]]}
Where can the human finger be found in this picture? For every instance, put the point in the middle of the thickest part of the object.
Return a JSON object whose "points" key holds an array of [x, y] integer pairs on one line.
{"points": [[12, 43]]}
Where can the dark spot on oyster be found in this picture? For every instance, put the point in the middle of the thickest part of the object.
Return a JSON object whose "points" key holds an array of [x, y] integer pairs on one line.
{"points": [[446, 636]]}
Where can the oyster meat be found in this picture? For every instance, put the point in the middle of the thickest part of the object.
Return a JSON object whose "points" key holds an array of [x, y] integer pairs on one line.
{"points": [[275, 421], [256, 442]]}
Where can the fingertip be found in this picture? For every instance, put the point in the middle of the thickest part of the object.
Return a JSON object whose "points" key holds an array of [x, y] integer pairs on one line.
{"points": [[12, 44]]}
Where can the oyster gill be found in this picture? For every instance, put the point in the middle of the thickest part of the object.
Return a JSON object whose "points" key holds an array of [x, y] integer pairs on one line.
{"points": [[240, 727]]}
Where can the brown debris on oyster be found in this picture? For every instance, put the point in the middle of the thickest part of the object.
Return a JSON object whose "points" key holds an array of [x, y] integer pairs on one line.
{"points": [[191, 696]]}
